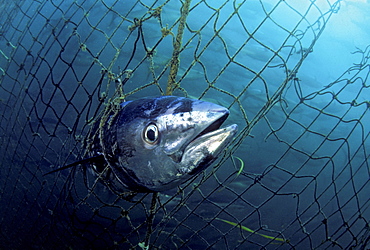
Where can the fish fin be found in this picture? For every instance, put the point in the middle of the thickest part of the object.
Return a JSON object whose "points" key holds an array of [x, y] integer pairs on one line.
{"points": [[86, 160]]}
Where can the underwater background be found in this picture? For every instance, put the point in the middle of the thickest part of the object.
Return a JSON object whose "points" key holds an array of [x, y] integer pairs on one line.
{"points": [[294, 75]]}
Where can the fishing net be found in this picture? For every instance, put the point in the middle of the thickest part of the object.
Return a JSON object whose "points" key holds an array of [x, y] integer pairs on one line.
{"points": [[295, 176]]}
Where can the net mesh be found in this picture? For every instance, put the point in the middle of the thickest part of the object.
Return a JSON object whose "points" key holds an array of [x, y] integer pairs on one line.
{"points": [[295, 176]]}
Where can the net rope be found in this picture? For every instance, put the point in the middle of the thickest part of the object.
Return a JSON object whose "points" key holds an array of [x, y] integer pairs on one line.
{"points": [[296, 176]]}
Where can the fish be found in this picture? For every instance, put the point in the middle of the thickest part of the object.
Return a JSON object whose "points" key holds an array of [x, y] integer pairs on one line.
{"points": [[155, 144]]}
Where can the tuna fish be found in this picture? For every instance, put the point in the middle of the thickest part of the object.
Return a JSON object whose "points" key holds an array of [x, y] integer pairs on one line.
{"points": [[154, 144]]}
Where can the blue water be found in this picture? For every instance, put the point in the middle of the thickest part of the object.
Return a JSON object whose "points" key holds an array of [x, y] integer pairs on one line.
{"points": [[306, 169]]}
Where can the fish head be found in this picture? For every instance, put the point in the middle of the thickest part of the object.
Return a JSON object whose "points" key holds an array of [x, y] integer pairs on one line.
{"points": [[158, 143]]}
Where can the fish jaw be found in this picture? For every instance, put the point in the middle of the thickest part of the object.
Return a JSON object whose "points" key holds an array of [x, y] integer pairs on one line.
{"points": [[203, 151]]}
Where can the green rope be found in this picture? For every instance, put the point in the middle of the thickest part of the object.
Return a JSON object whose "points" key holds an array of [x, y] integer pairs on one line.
{"points": [[175, 61]]}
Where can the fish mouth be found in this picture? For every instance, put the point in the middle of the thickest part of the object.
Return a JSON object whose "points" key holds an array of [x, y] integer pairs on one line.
{"points": [[214, 125], [204, 148]]}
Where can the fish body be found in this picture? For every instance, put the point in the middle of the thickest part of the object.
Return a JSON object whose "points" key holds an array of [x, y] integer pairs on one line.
{"points": [[154, 144]]}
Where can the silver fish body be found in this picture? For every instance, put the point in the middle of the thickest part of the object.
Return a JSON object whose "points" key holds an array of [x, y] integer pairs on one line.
{"points": [[154, 144]]}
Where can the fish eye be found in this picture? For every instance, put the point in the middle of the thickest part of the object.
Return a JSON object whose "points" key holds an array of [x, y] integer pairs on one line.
{"points": [[151, 134]]}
